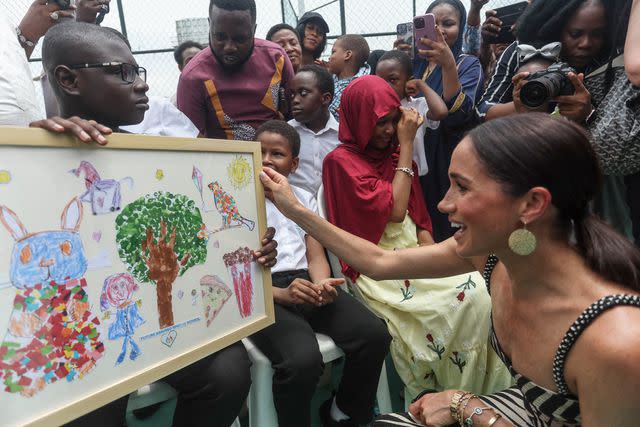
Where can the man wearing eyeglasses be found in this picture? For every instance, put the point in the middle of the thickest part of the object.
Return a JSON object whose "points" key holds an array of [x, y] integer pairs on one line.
{"points": [[235, 85]]}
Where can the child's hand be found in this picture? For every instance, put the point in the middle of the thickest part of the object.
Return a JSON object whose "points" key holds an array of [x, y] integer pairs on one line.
{"points": [[85, 130], [413, 87], [266, 256], [328, 290], [408, 125], [302, 291]]}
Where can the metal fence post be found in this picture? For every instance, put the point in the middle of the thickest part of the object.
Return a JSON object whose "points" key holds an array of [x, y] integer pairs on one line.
{"points": [[343, 19], [123, 26]]}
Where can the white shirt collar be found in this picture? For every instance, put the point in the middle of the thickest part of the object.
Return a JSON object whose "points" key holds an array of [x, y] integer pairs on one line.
{"points": [[332, 124]]}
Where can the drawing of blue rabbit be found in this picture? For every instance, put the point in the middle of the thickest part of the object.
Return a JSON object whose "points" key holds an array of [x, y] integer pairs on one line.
{"points": [[51, 333]]}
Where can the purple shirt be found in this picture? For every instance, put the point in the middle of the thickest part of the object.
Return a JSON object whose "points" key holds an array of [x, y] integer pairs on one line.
{"points": [[231, 105]]}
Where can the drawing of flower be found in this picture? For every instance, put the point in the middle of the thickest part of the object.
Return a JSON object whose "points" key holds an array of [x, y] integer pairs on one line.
{"points": [[435, 346], [458, 360], [467, 285], [408, 291], [461, 296]]}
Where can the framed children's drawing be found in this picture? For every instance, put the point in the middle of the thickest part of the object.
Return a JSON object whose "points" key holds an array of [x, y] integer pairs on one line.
{"points": [[121, 264]]}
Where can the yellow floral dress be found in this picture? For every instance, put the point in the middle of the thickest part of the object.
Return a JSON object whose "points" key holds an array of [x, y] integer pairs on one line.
{"points": [[440, 327]]}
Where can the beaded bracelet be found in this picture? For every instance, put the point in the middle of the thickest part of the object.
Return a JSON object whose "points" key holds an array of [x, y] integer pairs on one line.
{"points": [[23, 40], [408, 171]]}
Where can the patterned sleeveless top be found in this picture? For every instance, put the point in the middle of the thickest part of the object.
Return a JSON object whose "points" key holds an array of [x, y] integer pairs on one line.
{"points": [[551, 408]]}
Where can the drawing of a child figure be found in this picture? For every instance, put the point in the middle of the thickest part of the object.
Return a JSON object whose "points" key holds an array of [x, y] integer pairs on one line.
{"points": [[117, 292]]}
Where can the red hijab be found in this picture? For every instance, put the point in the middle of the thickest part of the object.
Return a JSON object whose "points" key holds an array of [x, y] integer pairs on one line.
{"points": [[358, 178]]}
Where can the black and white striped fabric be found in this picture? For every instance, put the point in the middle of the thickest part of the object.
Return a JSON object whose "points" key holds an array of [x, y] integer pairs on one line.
{"points": [[526, 404]]}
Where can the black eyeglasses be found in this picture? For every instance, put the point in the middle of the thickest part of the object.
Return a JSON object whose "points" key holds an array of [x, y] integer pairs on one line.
{"points": [[128, 72]]}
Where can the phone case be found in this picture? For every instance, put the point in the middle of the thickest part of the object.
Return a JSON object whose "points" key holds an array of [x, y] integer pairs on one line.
{"points": [[424, 26], [405, 33]]}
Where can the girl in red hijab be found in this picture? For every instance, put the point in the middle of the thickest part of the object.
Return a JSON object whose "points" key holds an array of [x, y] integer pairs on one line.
{"points": [[371, 186]]}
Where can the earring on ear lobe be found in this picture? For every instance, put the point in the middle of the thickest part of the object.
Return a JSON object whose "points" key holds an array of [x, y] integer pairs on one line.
{"points": [[522, 241]]}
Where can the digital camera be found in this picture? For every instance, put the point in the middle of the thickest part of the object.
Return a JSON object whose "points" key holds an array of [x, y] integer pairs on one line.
{"points": [[544, 85]]}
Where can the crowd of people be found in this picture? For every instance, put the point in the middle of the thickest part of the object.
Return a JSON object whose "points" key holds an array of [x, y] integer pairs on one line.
{"points": [[492, 243]]}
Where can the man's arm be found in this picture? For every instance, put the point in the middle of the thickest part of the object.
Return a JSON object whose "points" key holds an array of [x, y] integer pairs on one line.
{"points": [[190, 99], [500, 87]]}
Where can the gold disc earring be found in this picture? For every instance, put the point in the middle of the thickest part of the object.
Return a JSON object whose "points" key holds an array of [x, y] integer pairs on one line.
{"points": [[522, 241]]}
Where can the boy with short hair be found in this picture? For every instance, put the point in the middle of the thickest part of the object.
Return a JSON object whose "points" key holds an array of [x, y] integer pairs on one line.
{"points": [[306, 301], [312, 92], [95, 77], [347, 62]]}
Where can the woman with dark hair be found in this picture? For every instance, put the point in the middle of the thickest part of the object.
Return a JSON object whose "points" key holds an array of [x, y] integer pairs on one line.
{"points": [[587, 29], [565, 287], [312, 32], [287, 37], [458, 79]]}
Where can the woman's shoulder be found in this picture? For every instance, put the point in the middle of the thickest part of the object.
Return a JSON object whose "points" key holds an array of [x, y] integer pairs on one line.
{"points": [[611, 336]]}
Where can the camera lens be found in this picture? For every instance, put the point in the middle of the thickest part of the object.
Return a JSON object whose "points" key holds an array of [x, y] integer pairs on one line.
{"points": [[419, 23], [533, 94]]}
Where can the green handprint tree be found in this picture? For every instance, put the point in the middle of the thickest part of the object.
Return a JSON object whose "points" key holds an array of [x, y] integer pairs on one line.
{"points": [[157, 238]]}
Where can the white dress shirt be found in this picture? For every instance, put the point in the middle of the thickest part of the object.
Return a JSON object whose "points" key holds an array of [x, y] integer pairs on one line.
{"points": [[314, 147], [18, 103], [163, 118], [292, 247], [419, 155]]}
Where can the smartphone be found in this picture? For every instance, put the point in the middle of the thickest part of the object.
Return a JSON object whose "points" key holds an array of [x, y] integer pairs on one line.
{"points": [[424, 26], [405, 33], [509, 16], [104, 9]]}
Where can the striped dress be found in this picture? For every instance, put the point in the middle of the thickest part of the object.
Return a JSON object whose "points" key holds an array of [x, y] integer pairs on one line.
{"points": [[526, 404]]}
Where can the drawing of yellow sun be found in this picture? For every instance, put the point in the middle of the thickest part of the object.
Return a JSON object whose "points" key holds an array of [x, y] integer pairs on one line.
{"points": [[239, 171]]}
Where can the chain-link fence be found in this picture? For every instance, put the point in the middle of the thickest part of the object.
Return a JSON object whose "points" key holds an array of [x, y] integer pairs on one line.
{"points": [[155, 27]]}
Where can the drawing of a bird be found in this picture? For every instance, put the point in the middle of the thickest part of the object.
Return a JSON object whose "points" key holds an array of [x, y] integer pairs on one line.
{"points": [[226, 206]]}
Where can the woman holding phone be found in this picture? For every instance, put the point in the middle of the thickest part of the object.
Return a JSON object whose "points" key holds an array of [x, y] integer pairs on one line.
{"points": [[458, 79], [565, 287]]}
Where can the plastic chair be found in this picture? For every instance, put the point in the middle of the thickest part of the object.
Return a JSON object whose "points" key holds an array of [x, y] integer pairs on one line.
{"points": [[152, 394], [262, 412]]}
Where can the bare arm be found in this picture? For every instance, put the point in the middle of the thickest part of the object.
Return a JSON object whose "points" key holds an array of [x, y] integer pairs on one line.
{"points": [[401, 184], [318, 265], [501, 110], [439, 260], [437, 108], [607, 373], [632, 45]]}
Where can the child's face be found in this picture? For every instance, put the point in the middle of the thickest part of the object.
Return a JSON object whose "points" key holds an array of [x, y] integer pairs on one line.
{"points": [[391, 71], [384, 130], [338, 58], [308, 102], [104, 95], [276, 153]]}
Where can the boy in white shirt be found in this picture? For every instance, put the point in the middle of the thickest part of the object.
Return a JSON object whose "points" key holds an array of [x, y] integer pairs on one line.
{"points": [[307, 301], [395, 67], [312, 93]]}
